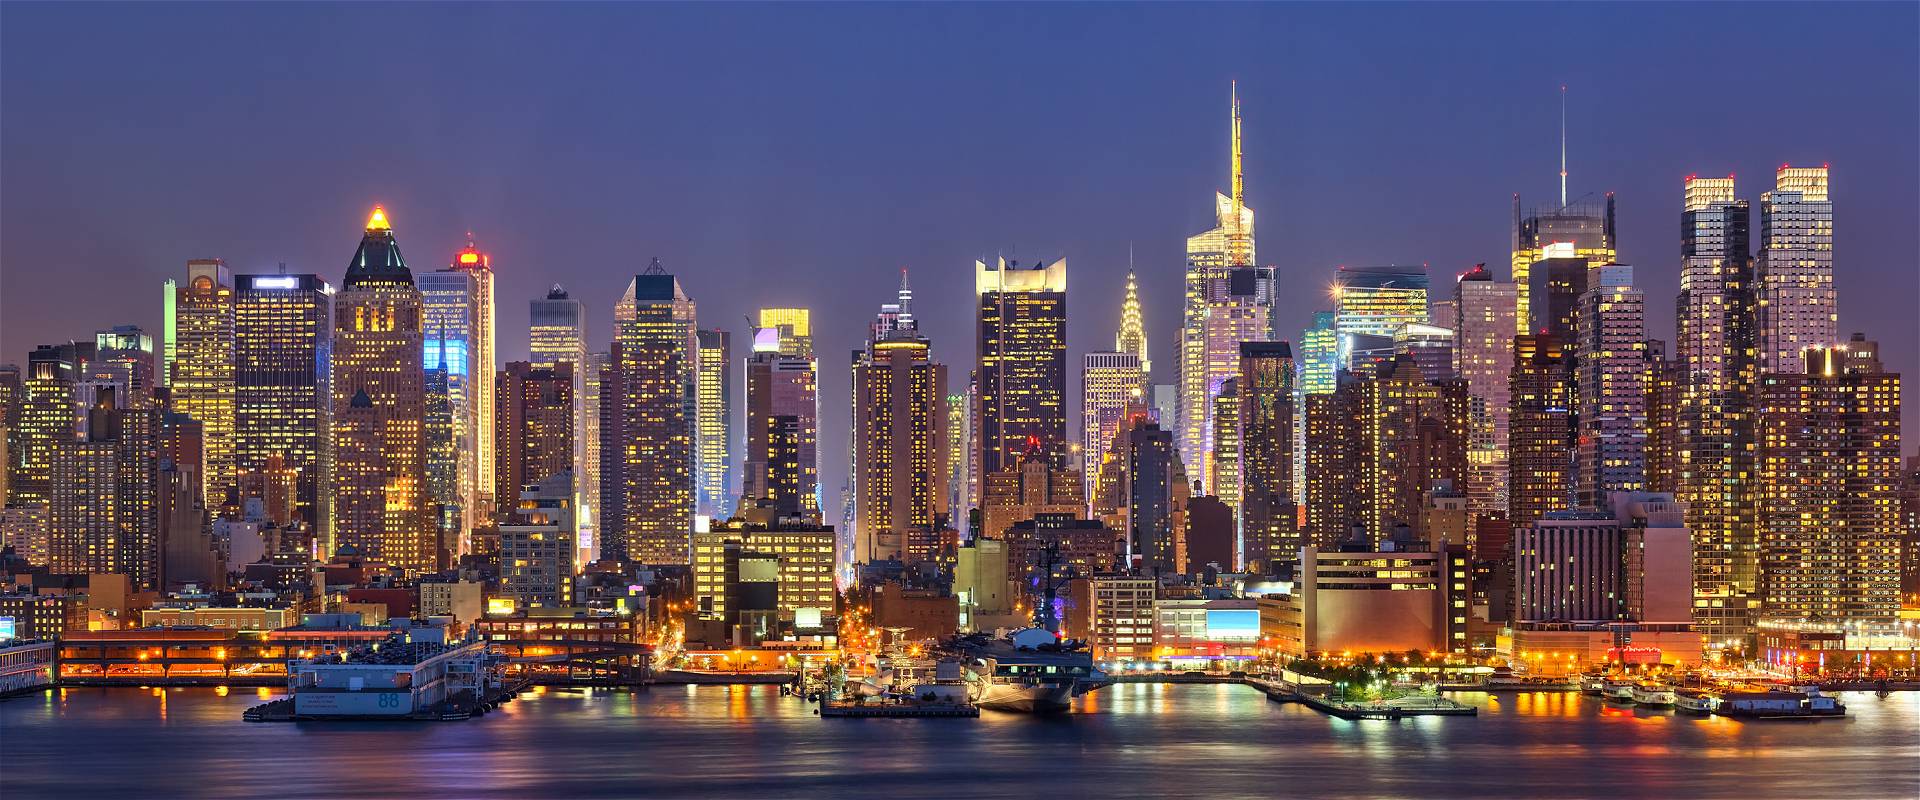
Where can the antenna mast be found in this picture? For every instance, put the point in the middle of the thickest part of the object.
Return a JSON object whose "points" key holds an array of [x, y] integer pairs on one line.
{"points": [[1563, 145]]}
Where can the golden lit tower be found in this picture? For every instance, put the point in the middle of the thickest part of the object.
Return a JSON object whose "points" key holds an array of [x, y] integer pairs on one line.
{"points": [[459, 335], [646, 428], [282, 339], [900, 441], [1796, 307], [379, 407], [202, 371], [714, 422], [1132, 336], [1021, 371]]}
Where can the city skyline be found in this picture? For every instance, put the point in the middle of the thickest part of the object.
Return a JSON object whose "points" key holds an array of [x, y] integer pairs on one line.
{"points": [[586, 205]]}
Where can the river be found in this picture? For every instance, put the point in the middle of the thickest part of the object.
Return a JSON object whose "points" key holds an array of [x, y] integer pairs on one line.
{"points": [[1129, 740]]}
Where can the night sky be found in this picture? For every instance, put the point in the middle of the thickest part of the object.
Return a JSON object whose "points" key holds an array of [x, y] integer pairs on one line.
{"points": [[802, 155]]}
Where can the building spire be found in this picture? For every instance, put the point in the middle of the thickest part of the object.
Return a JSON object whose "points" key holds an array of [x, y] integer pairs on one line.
{"points": [[1563, 145], [906, 301], [1239, 184], [1132, 336]]}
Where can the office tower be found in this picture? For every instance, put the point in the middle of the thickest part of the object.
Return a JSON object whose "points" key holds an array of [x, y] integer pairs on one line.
{"points": [[458, 331], [1020, 375], [535, 427], [557, 331], [598, 364], [1107, 489], [1412, 438], [1376, 301], [1267, 512], [537, 538], [792, 329], [379, 407], [1332, 468], [1031, 487], [1430, 347], [12, 391], [102, 508], [1539, 423], [1796, 307], [1317, 373], [783, 428], [713, 426], [440, 440], [1225, 452], [1483, 329], [202, 369], [123, 356], [646, 430], [1828, 479], [1110, 383], [1132, 336], [799, 557], [1228, 300], [1568, 567], [1716, 359], [959, 444], [1910, 525], [1611, 386], [1568, 238], [1666, 385], [282, 370], [46, 419], [185, 545], [1156, 486], [900, 456]]}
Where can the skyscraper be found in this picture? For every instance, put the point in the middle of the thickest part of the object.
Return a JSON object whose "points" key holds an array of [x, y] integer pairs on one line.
{"points": [[1331, 425], [282, 371], [1829, 476], [1224, 455], [1483, 329], [714, 423], [535, 428], [557, 331], [1110, 383], [1020, 374], [46, 418], [782, 463], [1611, 326], [202, 376], [1575, 234], [1317, 373], [900, 442], [1132, 336], [1267, 517], [1372, 304], [103, 509], [1797, 307], [1228, 300], [12, 391], [646, 428], [1412, 438], [1539, 462], [792, 328], [458, 331], [379, 407], [1155, 486]]}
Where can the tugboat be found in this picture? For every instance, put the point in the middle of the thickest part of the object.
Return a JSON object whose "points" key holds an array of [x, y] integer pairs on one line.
{"points": [[1653, 695]]}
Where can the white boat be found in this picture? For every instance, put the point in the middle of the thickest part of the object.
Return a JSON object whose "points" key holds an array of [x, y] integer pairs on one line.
{"points": [[1695, 701], [1653, 695], [1029, 671], [1592, 684], [1619, 689]]}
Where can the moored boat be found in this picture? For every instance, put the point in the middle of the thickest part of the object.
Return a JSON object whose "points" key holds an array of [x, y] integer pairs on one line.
{"points": [[1775, 704], [1695, 701], [1592, 684], [1029, 671], [1653, 695], [1619, 689]]}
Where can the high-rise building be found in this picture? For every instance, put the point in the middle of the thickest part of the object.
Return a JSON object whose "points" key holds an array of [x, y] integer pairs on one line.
{"points": [[1318, 373], [959, 445], [1268, 529], [1665, 391], [1539, 422], [900, 457], [46, 419], [534, 428], [1828, 479], [1483, 329], [1713, 375], [1376, 302], [1574, 235], [123, 357], [782, 464], [598, 364], [1228, 300], [458, 332], [103, 511], [1796, 306], [1031, 487], [202, 367], [1331, 423], [537, 537], [1132, 336], [1110, 382], [12, 391], [282, 373], [791, 329], [1156, 493], [1430, 347], [1412, 438], [379, 407], [557, 331], [1020, 374], [1611, 383], [646, 425], [1225, 452], [713, 423]]}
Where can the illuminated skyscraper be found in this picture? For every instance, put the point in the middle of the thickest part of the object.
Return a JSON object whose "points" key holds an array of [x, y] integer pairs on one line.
{"points": [[793, 328], [535, 434], [1574, 236], [1539, 436], [1266, 416], [1828, 480], [557, 331], [1225, 452], [46, 418], [1483, 356], [1371, 305], [1317, 373], [900, 459], [782, 463], [959, 444], [1715, 357], [1228, 300], [1611, 386], [379, 407], [103, 505], [123, 357], [598, 364], [1021, 372], [202, 377], [12, 391], [646, 424], [1110, 383], [458, 331], [1331, 422], [1797, 308], [1412, 438], [1132, 336], [714, 423], [283, 359]]}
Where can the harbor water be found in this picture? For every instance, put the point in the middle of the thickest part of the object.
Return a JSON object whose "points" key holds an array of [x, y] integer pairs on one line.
{"points": [[1128, 740]]}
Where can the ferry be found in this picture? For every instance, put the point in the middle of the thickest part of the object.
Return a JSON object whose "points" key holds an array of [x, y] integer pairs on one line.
{"points": [[1695, 701], [1620, 689], [1653, 695], [1592, 684], [1029, 671], [1804, 703]]}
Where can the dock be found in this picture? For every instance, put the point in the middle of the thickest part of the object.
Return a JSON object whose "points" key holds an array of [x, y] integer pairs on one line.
{"points": [[902, 710]]}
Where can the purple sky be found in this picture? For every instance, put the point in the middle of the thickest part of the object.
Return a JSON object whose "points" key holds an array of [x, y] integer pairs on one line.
{"points": [[801, 155]]}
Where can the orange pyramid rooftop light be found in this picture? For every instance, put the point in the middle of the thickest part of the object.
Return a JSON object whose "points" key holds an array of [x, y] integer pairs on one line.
{"points": [[378, 222]]}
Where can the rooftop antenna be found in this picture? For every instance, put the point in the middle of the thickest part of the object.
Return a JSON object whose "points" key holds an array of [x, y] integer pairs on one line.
{"points": [[1563, 145]]}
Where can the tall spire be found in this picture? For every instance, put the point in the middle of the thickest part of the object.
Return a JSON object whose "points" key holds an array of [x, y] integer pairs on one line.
{"points": [[1132, 336], [1563, 146], [906, 302], [1239, 184]]}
